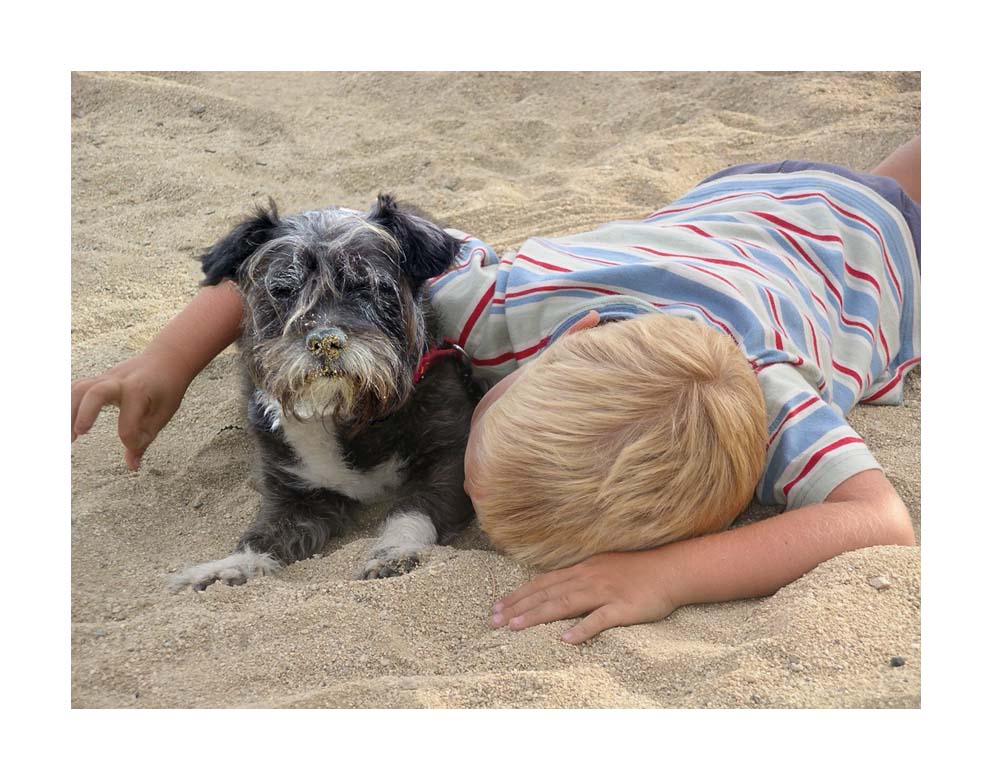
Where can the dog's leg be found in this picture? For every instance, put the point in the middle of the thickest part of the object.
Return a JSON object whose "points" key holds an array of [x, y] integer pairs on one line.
{"points": [[289, 527], [432, 513]]}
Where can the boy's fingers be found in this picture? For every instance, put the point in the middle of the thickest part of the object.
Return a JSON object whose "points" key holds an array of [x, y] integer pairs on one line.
{"points": [[535, 585], [565, 605], [79, 388], [549, 593], [133, 458], [133, 420], [107, 391], [603, 618], [132, 427]]}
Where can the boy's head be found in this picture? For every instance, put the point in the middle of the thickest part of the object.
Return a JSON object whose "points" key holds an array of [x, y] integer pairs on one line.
{"points": [[622, 437]]}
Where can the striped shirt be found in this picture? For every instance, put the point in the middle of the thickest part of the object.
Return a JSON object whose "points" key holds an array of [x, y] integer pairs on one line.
{"points": [[813, 275]]}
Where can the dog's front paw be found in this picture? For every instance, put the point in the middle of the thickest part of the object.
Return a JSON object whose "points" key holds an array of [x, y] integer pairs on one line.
{"points": [[390, 563], [405, 538], [235, 569]]}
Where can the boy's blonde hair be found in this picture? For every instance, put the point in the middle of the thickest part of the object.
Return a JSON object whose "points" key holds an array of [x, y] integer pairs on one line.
{"points": [[621, 437]]}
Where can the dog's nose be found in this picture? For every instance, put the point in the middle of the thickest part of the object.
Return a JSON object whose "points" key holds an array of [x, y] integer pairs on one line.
{"points": [[327, 342]]}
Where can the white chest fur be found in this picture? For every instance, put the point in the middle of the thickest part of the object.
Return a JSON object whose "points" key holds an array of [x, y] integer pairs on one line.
{"points": [[322, 463]]}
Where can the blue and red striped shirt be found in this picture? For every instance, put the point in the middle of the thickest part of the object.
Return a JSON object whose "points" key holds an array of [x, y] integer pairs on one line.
{"points": [[813, 275]]}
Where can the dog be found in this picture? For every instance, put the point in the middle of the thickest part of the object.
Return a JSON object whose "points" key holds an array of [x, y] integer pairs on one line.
{"points": [[350, 398]]}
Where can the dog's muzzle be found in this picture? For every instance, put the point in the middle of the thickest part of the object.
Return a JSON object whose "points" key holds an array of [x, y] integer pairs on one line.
{"points": [[327, 344]]}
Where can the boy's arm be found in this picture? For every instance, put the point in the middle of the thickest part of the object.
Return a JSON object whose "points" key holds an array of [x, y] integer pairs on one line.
{"points": [[755, 560], [202, 330], [149, 387]]}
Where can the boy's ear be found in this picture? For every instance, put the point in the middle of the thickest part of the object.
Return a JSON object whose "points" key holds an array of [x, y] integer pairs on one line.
{"points": [[590, 320], [224, 258], [427, 249]]}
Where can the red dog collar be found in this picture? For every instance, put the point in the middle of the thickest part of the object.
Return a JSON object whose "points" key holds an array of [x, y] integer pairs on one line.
{"points": [[446, 350]]}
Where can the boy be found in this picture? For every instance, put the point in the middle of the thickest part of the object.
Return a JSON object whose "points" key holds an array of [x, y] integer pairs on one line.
{"points": [[809, 273]]}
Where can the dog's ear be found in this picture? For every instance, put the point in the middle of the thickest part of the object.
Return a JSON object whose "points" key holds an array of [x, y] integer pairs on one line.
{"points": [[224, 258], [427, 249]]}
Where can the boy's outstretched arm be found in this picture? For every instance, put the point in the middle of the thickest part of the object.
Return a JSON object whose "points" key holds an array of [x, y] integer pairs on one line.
{"points": [[619, 589], [149, 387]]}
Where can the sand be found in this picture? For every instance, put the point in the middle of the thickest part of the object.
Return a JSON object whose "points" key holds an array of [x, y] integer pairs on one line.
{"points": [[163, 163]]}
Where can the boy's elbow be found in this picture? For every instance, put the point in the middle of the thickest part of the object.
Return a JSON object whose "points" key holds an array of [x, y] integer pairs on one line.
{"points": [[878, 512], [895, 525]]}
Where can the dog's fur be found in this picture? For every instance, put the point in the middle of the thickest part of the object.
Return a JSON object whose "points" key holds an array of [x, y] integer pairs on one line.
{"points": [[335, 326]]}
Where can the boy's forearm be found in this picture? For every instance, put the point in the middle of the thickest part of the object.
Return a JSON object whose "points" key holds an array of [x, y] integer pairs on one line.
{"points": [[202, 330], [756, 560], [623, 588]]}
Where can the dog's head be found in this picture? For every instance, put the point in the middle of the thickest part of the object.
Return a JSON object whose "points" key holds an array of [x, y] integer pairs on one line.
{"points": [[334, 322]]}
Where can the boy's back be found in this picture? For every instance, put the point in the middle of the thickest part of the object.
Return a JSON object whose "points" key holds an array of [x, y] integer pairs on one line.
{"points": [[813, 274]]}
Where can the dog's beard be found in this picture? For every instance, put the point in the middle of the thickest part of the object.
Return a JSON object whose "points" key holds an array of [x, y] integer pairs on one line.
{"points": [[368, 381]]}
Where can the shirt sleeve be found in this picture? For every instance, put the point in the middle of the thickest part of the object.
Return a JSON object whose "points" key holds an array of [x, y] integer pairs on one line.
{"points": [[461, 293], [811, 448]]}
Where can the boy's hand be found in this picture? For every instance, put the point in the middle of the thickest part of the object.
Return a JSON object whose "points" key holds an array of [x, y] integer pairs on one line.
{"points": [[149, 388], [616, 589], [754, 560], [146, 389]]}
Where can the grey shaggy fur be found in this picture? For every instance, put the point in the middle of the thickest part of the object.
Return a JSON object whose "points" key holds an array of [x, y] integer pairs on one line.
{"points": [[335, 325]]}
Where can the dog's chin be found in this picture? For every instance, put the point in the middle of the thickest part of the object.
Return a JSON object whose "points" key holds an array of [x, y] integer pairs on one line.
{"points": [[346, 399], [321, 396]]}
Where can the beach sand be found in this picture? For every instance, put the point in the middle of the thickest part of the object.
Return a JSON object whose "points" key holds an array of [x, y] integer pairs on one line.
{"points": [[164, 163]]}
